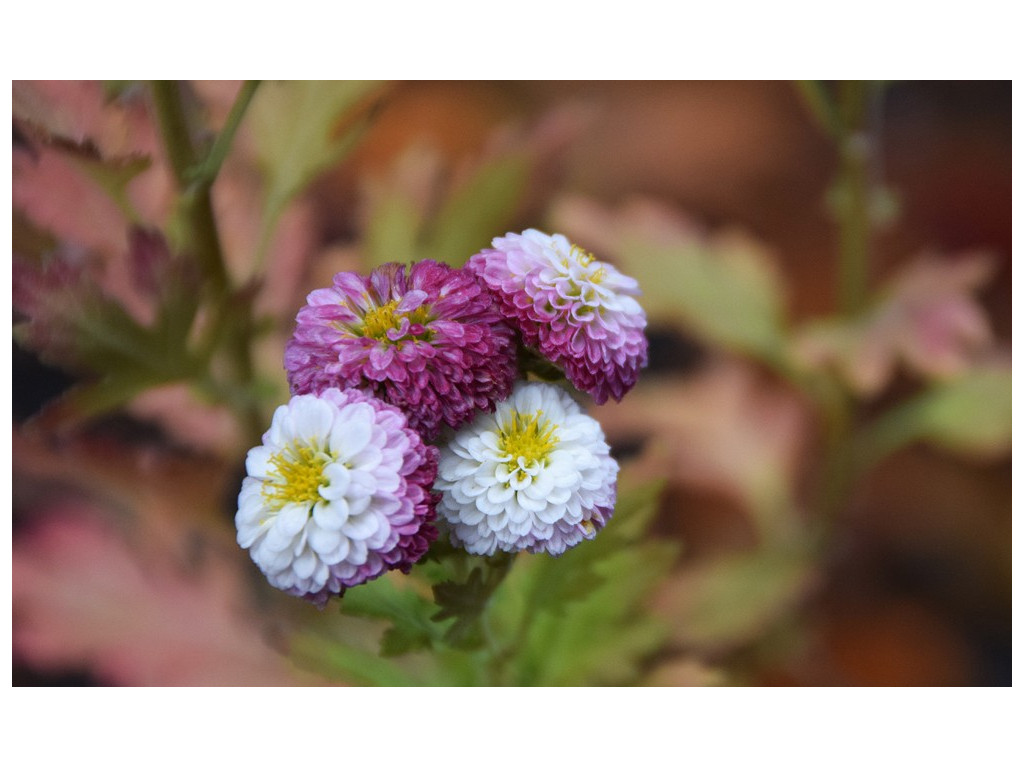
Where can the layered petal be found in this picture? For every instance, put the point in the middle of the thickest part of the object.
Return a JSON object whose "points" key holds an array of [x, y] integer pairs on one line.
{"points": [[574, 310], [428, 339], [536, 476], [323, 508]]}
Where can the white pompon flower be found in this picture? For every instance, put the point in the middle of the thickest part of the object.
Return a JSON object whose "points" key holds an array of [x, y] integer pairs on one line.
{"points": [[535, 475], [338, 493]]}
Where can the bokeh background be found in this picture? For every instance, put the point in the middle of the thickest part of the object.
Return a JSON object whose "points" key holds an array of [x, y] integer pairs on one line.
{"points": [[725, 199]]}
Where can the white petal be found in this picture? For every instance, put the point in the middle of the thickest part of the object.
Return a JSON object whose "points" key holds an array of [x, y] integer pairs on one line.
{"points": [[257, 462], [351, 430], [361, 526], [324, 540], [337, 476], [291, 518], [331, 514], [499, 494], [311, 419], [305, 564]]}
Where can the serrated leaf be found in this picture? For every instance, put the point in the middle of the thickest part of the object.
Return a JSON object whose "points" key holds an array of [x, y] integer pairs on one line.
{"points": [[409, 613], [112, 176], [971, 414], [457, 599], [71, 323], [465, 602], [580, 618], [727, 293], [601, 637], [400, 640]]}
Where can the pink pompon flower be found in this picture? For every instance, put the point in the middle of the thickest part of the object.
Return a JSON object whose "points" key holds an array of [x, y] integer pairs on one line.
{"points": [[338, 493], [428, 340], [576, 311]]}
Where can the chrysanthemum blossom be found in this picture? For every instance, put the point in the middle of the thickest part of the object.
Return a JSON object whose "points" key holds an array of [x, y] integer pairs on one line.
{"points": [[535, 475], [576, 311], [339, 493], [428, 340]]}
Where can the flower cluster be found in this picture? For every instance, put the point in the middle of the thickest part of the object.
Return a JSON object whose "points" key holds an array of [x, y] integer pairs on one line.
{"points": [[408, 401]]}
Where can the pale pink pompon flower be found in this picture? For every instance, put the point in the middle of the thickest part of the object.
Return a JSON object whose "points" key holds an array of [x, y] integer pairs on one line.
{"points": [[338, 493], [576, 311], [429, 340]]}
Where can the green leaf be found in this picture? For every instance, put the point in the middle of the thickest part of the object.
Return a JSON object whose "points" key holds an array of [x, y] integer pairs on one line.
{"points": [[465, 601], [730, 601], [295, 131], [971, 414], [599, 637], [477, 211], [332, 657], [726, 292], [409, 613], [75, 325], [112, 176], [86, 401], [580, 618]]}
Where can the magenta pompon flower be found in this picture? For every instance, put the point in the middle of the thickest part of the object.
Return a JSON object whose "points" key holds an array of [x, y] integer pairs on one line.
{"points": [[338, 493], [576, 311], [428, 340]]}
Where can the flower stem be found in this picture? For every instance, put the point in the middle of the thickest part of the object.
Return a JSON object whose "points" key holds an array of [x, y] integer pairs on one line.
{"points": [[845, 113], [855, 152], [195, 201], [195, 182], [207, 171]]}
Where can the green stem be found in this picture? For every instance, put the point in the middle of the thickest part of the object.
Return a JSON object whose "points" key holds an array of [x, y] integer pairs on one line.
{"points": [[498, 568], [207, 171], [195, 200], [173, 127], [195, 183], [855, 151], [838, 469], [852, 190], [817, 99]]}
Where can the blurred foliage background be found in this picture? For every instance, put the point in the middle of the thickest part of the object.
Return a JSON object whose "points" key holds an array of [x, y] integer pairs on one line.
{"points": [[816, 465]]}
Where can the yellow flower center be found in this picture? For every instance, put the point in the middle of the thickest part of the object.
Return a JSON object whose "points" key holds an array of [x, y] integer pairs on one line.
{"points": [[530, 438], [297, 475], [583, 256], [379, 320]]}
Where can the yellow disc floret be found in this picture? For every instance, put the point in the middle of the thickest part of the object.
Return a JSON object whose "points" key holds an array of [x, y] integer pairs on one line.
{"points": [[298, 473], [527, 437], [583, 256], [379, 320]]}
